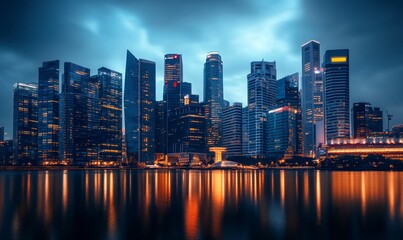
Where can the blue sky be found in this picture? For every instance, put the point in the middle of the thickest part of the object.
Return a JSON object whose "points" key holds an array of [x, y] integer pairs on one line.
{"points": [[96, 34]]}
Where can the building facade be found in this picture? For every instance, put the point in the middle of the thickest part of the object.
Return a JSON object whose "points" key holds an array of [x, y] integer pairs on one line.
{"points": [[282, 132], [48, 113], [79, 116], [366, 120], [232, 129], [261, 98], [173, 78], [337, 94], [213, 98], [311, 82], [110, 121], [139, 105], [25, 123], [288, 96], [187, 130], [245, 131]]}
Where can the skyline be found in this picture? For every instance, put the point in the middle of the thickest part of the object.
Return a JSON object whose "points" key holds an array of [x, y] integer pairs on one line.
{"points": [[258, 32]]}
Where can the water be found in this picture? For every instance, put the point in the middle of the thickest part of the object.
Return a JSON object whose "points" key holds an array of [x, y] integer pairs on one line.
{"points": [[180, 204]]}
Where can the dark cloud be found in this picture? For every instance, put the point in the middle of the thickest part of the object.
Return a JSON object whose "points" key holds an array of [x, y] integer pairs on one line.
{"points": [[97, 33]]}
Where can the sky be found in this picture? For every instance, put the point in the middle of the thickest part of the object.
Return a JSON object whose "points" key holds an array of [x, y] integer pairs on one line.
{"points": [[97, 34]]}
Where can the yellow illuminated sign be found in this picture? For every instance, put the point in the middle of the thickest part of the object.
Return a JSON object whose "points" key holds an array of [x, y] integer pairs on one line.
{"points": [[339, 59]]}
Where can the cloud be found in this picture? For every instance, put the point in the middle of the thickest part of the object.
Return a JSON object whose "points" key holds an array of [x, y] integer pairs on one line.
{"points": [[97, 33]]}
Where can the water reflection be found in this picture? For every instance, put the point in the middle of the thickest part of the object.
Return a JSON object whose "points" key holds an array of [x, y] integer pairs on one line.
{"points": [[178, 204]]}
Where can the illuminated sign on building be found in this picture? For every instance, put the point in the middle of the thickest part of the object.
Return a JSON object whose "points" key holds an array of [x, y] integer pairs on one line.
{"points": [[338, 59]]}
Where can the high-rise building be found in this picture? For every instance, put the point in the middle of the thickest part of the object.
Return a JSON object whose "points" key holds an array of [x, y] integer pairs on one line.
{"points": [[48, 113], [232, 129], [187, 129], [6, 152], [281, 131], [289, 96], [245, 131], [213, 98], [139, 104], [366, 120], [337, 94], [173, 78], [311, 88], [110, 122], [261, 98], [25, 124], [160, 133], [78, 116], [1, 134]]}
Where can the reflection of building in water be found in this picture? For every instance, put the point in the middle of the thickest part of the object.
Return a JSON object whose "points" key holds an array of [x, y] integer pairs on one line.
{"points": [[367, 189], [387, 147]]}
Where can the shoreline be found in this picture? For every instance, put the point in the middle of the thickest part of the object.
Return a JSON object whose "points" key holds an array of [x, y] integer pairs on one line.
{"points": [[76, 168]]}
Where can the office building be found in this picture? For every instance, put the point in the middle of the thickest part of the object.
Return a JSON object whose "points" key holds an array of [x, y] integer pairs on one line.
{"points": [[311, 94], [366, 120], [337, 94], [48, 113], [282, 132], [139, 105], [245, 131], [25, 123], [288, 96], [160, 133], [261, 98], [213, 98], [187, 130], [173, 78], [232, 129], [6, 152], [79, 116], [110, 121]]}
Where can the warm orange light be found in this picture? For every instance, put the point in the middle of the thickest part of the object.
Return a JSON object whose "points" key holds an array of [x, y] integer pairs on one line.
{"points": [[338, 59]]}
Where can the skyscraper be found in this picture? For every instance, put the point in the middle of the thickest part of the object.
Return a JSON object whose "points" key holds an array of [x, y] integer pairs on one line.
{"points": [[245, 131], [232, 129], [289, 96], [48, 112], [310, 88], [139, 104], [365, 120], [160, 133], [213, 98], [261, 98], [25, 123], [187, 129], [282, 132], [79, 116], [110, 122], [337, 94], [173, 78]]}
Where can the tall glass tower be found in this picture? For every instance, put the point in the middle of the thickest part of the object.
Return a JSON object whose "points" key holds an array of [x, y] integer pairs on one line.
{"points": [[232, 129], [261, 98], [173, 78], [79, 116], [25, 123], [310, 87], [139, 105], [289, 96], [48, 112], [337, 94], [213, 98], [110, 122]]}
